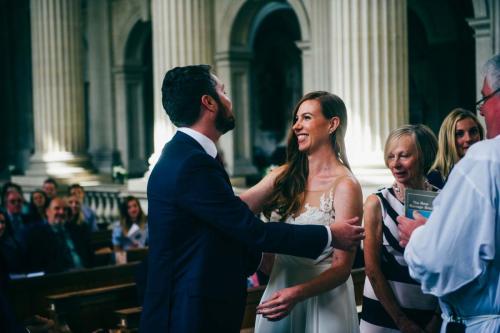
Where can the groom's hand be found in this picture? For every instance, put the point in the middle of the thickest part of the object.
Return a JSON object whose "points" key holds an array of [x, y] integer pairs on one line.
{"points": [[347, 234]]}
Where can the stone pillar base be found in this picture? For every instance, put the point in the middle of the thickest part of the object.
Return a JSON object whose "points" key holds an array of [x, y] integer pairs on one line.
{"points": [[66, 168]]}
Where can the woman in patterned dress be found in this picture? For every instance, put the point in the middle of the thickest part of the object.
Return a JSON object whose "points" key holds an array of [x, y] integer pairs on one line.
{"points": [[392, 300], [315, 186]]}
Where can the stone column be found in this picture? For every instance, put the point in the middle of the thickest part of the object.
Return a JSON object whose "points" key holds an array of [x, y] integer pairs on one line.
{"points": [[486, 35], [56, 36], [234, 70], [182, 35], [102, 134], [369, 71]]}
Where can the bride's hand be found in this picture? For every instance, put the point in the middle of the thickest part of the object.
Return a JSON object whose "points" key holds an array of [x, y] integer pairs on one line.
{"points": [[280, 304]]}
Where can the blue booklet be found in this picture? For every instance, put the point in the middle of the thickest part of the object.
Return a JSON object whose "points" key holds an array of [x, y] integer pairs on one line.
{"points": [[419, 200]]}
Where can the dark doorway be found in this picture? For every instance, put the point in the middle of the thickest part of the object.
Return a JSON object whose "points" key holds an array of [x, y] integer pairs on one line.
{"points": [[441, 60], [276, 83], [139, 99]]}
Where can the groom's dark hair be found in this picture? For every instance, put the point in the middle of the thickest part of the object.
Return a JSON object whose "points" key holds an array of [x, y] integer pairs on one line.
{"points": [[182, 90]]}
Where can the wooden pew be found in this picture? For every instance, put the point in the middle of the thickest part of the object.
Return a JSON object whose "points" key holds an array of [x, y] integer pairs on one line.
{"points": [[101, 239], [253, 299], [88, 310], [134, 255], [128, 319], [105, 257], [28, 295]]}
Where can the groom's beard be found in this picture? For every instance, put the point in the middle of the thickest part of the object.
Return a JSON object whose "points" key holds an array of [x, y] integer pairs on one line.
{"points": [[224, 122]]}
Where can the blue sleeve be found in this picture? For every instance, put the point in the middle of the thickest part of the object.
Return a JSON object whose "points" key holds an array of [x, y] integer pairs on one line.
{"points": [[117, 236], [204, 191]]}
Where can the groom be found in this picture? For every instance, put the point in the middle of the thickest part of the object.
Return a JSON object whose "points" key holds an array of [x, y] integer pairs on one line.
{"points": [[203, 240]]}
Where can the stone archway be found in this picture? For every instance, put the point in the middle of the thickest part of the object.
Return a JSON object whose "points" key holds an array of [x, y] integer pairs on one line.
{"points": [[135, 116], [441, 60], [276, 82], [234, 59]]}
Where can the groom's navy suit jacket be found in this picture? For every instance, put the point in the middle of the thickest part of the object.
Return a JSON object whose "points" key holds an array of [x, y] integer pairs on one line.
{"points": [[204, 241]]}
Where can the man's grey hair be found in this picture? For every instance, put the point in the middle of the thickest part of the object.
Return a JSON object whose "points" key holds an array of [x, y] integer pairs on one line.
{"points": [[492, 72]]}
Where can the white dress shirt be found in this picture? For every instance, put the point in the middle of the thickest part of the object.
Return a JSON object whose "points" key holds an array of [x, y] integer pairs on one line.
{"points": [[455, 255]]}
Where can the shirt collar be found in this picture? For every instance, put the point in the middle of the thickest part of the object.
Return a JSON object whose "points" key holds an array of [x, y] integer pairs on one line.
{"points": [[207, 144]]}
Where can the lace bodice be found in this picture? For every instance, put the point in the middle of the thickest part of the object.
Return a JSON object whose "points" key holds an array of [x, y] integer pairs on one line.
{"points": [[323, 214]]}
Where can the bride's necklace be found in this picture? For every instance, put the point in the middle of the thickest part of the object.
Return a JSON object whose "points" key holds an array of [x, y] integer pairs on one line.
{"points": [[400, 192]]}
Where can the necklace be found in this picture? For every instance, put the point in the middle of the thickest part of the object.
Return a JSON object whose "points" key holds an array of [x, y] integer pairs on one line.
{"points": [[400, 192]]}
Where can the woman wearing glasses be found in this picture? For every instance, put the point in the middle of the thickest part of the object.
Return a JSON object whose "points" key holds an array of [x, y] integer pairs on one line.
{"points": [[459, 131]]}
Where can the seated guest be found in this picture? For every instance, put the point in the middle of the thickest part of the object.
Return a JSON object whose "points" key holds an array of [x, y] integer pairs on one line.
{"points": [[18, 222], [459, 131], [13, 252], [50, 188], [59, 245], [88, 214], [38, 205], [392, 300], [132, 229], [10, 186]]}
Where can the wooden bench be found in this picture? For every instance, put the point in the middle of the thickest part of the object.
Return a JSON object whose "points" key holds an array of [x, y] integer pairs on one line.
{"points": [[88, 310], [28, 295], [101, 239], [253, 299], [107, 256], [128, 319], [134, 255]]}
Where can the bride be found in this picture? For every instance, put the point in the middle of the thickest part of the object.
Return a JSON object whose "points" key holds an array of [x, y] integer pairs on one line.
{"points": [[314, 186]]}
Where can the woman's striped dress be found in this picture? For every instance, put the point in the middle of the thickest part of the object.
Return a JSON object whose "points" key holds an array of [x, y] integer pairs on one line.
{"points": [[417, 306]]}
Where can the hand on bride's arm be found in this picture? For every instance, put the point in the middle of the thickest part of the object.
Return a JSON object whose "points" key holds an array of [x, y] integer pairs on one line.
{"points": [[280, 304]]}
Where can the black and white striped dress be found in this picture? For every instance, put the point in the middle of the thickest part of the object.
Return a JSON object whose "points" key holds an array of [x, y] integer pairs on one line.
{"points": [[417, 306]]}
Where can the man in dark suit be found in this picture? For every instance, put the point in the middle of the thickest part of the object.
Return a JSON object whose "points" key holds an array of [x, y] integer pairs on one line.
{"points": [[58, 245], [203, 240]]}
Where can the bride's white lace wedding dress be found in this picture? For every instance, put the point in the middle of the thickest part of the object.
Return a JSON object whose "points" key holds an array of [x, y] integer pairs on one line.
{"points": [[333, 311]]}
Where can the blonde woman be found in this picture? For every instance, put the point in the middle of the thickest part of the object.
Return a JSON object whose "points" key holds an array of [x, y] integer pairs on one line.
{"points": [[75, 215], [392, 300], [315, 186], [458, 132]]}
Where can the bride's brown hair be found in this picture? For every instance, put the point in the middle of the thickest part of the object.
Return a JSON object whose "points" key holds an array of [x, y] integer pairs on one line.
{"points": [[289, 187]]}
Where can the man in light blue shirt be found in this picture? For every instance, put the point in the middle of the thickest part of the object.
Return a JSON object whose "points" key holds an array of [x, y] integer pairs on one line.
{"points": [[455, 253]]}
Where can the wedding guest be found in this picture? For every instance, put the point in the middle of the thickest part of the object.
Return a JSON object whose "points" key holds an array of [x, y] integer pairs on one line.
{"points": [[59, 245], [458, 132], [392, 300], [465, 224], [132, 229], [89, 215], [11, 186], [50, 187], [13, 251], [38, 204]]}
